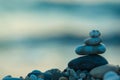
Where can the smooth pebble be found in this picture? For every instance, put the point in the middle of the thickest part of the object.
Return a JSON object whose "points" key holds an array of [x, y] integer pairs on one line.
{"points": [[87, 62], [93, 41], [111, 75], [94, 33], [99, 71], [88, 50]]}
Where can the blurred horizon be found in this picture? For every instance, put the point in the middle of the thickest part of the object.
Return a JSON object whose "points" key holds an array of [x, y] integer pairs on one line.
{"points": [[37, 34]]}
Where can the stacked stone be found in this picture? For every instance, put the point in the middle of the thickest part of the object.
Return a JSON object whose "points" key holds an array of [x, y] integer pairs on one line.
{"points": [[91, 49]]}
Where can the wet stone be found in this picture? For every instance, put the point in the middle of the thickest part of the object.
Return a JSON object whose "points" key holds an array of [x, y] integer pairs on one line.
{"points": [[47, 76], [40, 79], [87, 62], [35, 72], [99, 71], [13, 79], [72, 75], [93, 41], [94, 33], [10, 78], [88, 50], [111, 75], [55, 74], [33, 77], [63, 78]]}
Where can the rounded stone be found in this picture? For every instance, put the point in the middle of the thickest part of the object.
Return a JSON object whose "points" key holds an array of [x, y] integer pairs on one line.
{"points": [[82, 75], [87, 62], [71, 74], [99, 72], [47, 76], [35, 72], [9, 77], [13, 79], [55, 73], [40, 79], [88, 50], [63, 78], [111, 75], [94, 33], [33, 77], [93, 41]]}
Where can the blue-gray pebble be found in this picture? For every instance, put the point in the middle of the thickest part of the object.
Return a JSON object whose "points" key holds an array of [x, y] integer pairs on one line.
{"points": [[33, 77], [90, 50], [47, 76], [94, 33], [10, 78], [93, 41], [111, 75], [35, 72], [56, 73]]}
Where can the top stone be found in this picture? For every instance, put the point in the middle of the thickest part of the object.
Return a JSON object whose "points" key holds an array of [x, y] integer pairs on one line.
{"points": [[94, 33]]}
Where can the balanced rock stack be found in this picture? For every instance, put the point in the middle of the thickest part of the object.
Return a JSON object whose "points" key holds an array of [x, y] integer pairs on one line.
{"points": [[91, 50]]}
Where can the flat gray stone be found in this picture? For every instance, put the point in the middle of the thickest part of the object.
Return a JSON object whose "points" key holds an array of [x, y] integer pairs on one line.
{"points": [[99, 72], [93, 41], [90, 50]]}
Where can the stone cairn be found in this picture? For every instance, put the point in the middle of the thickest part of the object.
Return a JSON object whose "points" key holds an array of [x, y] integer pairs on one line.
{"points": [[90, 66], [91, 49]]}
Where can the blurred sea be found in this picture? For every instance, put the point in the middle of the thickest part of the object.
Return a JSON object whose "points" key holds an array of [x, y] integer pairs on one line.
{"points": [[43, 35]]}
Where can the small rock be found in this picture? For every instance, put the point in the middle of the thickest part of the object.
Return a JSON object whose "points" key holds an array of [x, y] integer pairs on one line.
{"points": [[41, 76], [72, 75], [88, 50], [80, 79], [40, 79], [92, 78], [33, 77], [87, 62], [21, 78], [35, 72], [78, 72], [63, 78], [9, 77], [93, 41], [55, 73], [94, 33], [47, 76], [27, 78], [82, 75], [111, 75], [99, 72]]}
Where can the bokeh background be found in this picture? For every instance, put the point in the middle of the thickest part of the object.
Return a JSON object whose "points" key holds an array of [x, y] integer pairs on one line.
{"points": [[43, 34]]}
